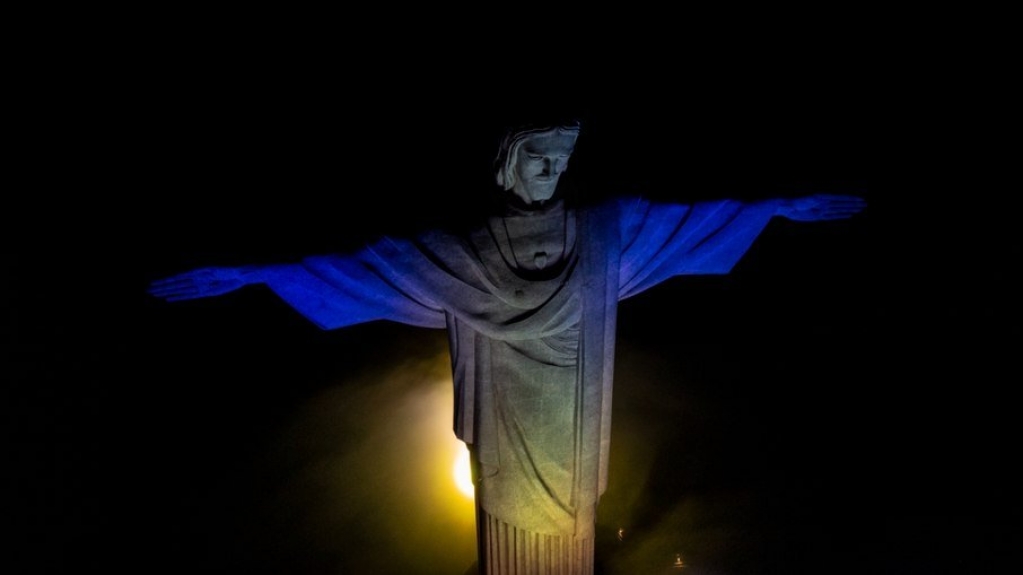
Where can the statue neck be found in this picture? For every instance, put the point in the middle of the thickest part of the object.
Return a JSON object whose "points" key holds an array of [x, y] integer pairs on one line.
{"points": [[516, 206]]}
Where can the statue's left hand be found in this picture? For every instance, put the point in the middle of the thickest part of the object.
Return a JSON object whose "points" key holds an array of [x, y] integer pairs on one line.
{"points": [[197, 283], [820, 207]]}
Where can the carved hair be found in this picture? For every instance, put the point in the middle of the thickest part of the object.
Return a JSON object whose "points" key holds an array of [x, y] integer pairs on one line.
{"points": [[508, 154]]}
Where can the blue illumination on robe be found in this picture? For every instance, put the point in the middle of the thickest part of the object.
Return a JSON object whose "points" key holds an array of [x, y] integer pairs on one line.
{"points": [[532, 355]]}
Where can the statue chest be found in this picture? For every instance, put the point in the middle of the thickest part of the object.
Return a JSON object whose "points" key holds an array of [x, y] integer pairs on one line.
{"points": [[534, 243]]}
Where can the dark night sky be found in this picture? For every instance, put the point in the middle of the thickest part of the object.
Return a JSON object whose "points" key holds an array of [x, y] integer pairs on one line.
{"points": [[841, 402]]}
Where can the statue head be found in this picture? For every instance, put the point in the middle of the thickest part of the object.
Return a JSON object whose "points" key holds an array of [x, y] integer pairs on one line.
{"points": [[533, 157]]}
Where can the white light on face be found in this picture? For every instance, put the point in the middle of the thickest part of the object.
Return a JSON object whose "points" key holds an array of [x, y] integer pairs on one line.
{"points": [[463, 473]]}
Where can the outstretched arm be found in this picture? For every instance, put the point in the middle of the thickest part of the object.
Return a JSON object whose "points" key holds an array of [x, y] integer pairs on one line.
{"points": [[665, 240], [820, 207], [207, 282], [332, 291]]}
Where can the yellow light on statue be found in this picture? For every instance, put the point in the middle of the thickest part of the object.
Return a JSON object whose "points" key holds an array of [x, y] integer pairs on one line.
{"points": [[463, 473]]}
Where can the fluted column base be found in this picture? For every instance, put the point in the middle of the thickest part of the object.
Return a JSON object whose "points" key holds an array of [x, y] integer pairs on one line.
{"points": [[507, 550]]}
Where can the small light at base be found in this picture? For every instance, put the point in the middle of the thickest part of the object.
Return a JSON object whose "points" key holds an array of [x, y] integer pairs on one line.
{"points": [[463, 473]]}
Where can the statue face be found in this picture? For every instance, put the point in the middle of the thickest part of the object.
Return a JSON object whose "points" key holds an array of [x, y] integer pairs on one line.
{"points": [[539, 161]]}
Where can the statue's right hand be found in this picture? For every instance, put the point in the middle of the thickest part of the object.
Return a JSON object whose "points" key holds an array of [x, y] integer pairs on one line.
{"points": [[197, 283]]}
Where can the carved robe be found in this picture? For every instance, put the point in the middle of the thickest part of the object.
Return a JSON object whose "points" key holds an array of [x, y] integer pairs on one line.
{"points": [[532, 349]]}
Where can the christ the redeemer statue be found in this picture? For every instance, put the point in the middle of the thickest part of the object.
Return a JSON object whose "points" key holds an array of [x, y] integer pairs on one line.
{"points": [[529, 300]]}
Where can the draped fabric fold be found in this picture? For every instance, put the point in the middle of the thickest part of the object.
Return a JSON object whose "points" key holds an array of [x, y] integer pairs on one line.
{"points": [[532, 354]]}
